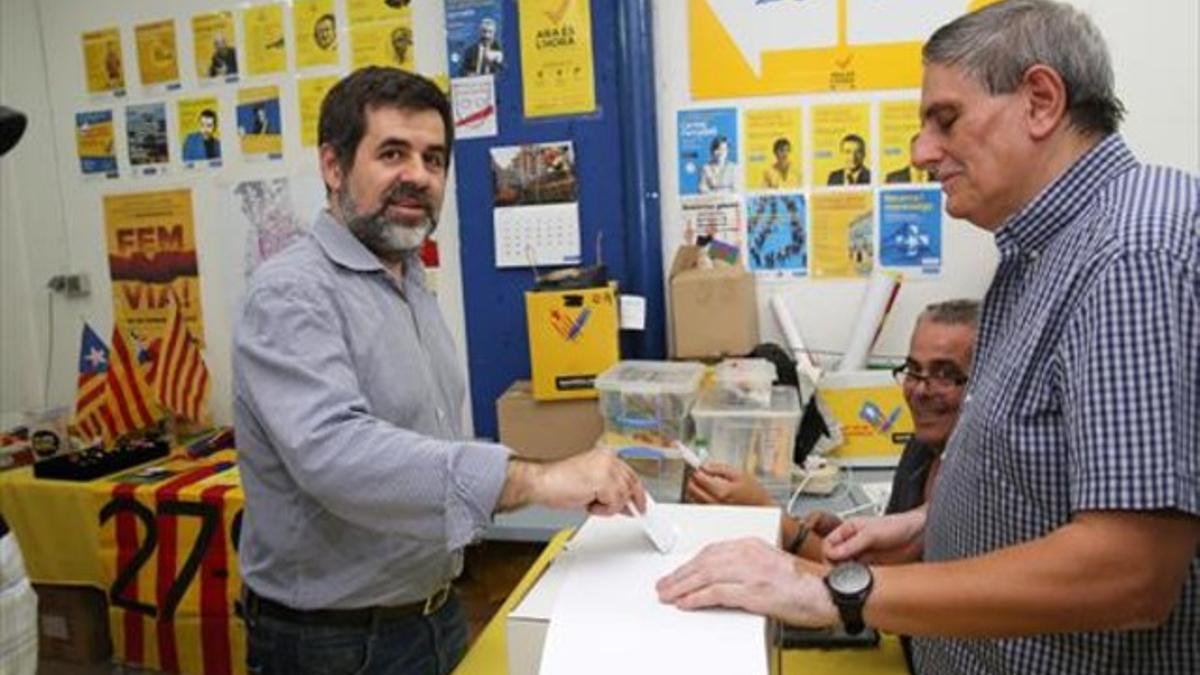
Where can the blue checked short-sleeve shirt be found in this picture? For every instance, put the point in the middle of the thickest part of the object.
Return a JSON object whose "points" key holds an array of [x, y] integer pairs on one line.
{"points": [[1084, 397]]}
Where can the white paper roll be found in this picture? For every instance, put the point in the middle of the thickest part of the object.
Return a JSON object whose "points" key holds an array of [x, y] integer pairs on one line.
{"points": [[881, 292]]}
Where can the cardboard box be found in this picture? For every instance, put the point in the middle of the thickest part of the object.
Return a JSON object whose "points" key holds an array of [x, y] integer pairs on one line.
{"points": [[573, 337], [72, 624], [528, 623], [714, 311], [546, 430], [869, 405]]}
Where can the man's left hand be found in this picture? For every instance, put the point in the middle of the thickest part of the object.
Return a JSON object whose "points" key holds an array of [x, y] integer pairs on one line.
{"points": [[751, 575]]}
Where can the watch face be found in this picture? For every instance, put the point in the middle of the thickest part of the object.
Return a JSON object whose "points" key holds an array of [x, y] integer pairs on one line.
{"points": [[850, 578]]}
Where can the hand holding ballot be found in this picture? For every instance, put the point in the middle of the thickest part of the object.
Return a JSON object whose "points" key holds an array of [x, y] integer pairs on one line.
{"points": [[596, 480], [754, 576]]}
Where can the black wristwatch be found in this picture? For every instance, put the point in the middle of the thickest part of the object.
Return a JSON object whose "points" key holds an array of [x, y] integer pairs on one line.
{"points": [[850, 583]]}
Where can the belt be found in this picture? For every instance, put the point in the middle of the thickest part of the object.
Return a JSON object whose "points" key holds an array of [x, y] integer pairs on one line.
{"points": [[254, 605]]}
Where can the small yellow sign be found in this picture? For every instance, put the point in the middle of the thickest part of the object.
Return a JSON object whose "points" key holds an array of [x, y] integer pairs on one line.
{"points": [[556, 57]]}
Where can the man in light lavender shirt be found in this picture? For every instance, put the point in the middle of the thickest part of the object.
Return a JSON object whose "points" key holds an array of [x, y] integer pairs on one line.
{"points": [[361, 490]]}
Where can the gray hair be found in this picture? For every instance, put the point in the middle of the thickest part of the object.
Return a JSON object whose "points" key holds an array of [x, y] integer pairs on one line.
{"points": [[998, 43], [957, 312]]}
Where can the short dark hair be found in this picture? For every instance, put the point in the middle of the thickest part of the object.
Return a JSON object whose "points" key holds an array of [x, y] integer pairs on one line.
{"points": [[209, 112], [854, 138], [344, 110], [780, 143], [716, 142]]}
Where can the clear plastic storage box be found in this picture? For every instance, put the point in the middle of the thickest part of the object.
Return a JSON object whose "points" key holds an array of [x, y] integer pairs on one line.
{"points": [[647, 402], [746, 379], [748, 437]]}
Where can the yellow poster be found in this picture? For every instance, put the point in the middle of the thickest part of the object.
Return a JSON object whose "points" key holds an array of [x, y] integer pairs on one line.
{"points": [[314, 24], [870, 408], [742, 48], [312, 92], [200, 130], [556, 57], [152, 253], [381, 34], [94, 143], [773, 148], [259, 122], [841, 144], [158, 60], [266, 48], [102, 61], [899, 124], [843, 234], [215, 45]]}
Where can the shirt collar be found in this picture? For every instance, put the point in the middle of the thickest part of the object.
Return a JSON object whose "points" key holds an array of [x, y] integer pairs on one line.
{"points": [[1060, 203], [343, 248]]}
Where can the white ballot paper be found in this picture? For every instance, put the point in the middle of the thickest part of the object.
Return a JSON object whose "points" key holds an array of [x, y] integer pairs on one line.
{"points": [[607, 617]]}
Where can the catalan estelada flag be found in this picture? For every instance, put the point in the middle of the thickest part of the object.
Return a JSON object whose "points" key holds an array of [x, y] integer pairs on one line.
{"points": [[91, 394], [130, 399], [179, 375]]}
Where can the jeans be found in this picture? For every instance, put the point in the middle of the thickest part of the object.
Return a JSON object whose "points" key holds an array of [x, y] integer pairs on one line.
{"points": [[409, 645]]}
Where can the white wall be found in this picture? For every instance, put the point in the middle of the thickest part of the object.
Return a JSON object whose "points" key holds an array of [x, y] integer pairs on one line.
{"points": [[1156, 56], [52, 219]]}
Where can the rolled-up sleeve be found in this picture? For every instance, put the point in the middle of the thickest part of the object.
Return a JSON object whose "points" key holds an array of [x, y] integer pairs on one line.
{"points": [[295, 375]]}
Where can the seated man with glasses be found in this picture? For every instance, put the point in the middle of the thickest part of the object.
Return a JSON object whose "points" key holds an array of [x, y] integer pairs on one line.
{"points": [[933, 376]]}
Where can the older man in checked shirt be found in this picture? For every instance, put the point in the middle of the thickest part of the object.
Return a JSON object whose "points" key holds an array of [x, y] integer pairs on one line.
{"points": [[1063, 531]]}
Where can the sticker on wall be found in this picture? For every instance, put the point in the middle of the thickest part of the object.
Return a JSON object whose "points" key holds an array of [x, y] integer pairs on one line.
{"points": [[146, 138], [841, 144], [473, 29], [270, 216], [899, 125], [158, 57], [259, 123], [214, 41], [315, 25], [556, 57], [773, 148], [381, 33], [910, 230], [103, 63], [537, 204], [266, 46], [95, 141], [312, 92], [474, 101], [708, 152], [842, 234], [714, 222], [777, 236], [152, 253], [200, 132]]}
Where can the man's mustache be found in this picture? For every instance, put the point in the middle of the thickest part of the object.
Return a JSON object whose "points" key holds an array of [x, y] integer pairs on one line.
{"points": [[405, 191]]}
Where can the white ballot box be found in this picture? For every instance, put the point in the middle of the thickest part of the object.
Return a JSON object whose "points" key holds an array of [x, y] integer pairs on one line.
{"points": [[595, 608]]}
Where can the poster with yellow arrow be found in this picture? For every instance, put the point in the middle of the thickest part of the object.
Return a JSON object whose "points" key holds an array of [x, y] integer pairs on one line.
{"points": [[768, 47]]}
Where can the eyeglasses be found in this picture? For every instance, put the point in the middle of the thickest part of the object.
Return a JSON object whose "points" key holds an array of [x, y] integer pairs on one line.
{"points": [[939, 380]]}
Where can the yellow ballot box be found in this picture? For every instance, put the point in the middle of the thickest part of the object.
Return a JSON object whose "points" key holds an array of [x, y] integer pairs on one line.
{"points": [[572, 339], [869, 405]]}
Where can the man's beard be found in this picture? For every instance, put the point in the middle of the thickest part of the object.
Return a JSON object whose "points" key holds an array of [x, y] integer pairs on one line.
{"points": [[387, 239]]}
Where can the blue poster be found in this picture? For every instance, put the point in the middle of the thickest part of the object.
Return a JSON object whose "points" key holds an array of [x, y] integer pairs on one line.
{"points": [[473, 30], [94, 137], [708, 152], [910, 230], [778, 238]]}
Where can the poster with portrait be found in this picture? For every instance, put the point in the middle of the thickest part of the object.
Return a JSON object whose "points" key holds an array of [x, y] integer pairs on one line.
{"points": [[152, 253], [95, 141], [842, 237], [556, 57], [266, 46], [200, 132], [899, 124], [103, 62], [315, 25], [146, 138], [715, 223], [473, 37], [708, 151], [311, 92], [260, 123], [910, 231], [774, 148], [214, 43], [842, 144], [381, 33], [777, 234], [157, 55]]}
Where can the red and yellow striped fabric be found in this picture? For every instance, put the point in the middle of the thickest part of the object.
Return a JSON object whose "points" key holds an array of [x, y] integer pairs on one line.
{"points": [[179, 375]]}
